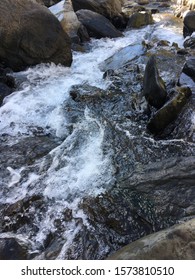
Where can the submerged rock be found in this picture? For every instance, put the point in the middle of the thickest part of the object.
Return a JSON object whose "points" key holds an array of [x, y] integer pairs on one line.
{"points": [[169, 112], [25, 38], [153, 86], [97, 25], [175, 243]]}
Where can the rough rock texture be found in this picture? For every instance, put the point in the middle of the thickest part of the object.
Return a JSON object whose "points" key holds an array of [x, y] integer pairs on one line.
{"points": [[72, 26], [189, 23], [170, 111], [97, 25], [154, 87], [175, 243], [140, 19], [25, 38]]}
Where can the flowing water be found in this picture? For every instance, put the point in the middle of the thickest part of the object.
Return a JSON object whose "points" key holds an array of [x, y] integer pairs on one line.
{"points": [[77, 165]]}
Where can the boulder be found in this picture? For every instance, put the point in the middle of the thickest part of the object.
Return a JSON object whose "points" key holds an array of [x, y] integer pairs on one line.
{"points": [[107, 8], [72, 26], [97, 25], [154, 88], [25, 38], [189, 23], [175, 243], [170, 111]]}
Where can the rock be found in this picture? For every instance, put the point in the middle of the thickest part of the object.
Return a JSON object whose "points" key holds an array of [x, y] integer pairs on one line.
{"points": [[122, 57], [153, 86], [140, 19], [25, 38], [190, 42], [97, 25], [49, 3], [107, 8], [7, 84], [142, 2], [189, 68], [11, 249], [175, 243], [169, 112], [189, 23], [72, 26]]}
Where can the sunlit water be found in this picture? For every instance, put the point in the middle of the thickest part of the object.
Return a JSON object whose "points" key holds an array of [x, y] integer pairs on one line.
{"points": [[78, 166]]}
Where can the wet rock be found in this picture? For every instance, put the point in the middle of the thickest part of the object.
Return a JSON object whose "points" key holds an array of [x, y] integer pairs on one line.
{"points": [[140, 19], [153, 86], [11, 249], [190, 42], [189, 23], [189, 67], [175, 243], [123, 56], [7, 84], [49, 3], [25, 38], [97, 25], [169, 112]]}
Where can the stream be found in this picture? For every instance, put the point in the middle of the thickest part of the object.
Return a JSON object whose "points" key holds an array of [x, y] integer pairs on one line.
{"points": [[77, 161]]}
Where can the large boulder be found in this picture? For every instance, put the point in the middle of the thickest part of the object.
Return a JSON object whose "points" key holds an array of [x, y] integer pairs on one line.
{"points": [[189, 23], [175, 243], [170, 111], [31, 34], [153, 86], [97, 25]]}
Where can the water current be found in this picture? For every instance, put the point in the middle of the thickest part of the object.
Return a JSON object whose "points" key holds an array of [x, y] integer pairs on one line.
{"points": [[77, 166]]}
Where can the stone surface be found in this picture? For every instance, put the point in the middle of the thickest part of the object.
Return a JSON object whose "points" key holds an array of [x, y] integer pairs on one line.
{"points": [[11, 249], [153, 86], [169, 112], [25, 38], [97, 25], [175, 243], [140, 19]]}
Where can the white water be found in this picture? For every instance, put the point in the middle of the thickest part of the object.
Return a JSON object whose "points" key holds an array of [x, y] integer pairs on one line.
{"points": [[78, 166]]}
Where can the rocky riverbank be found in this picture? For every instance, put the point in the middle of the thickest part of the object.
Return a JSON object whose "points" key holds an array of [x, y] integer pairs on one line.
{"points": [[102, 160]]}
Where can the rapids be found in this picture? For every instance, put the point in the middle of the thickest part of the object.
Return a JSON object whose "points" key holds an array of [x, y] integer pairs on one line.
{"points": [[46, 192]]}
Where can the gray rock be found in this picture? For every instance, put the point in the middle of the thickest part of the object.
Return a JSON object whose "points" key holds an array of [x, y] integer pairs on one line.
{"points": [[153, 86], [175, 243], [97, 25], [11, 249], [169, 112]]}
